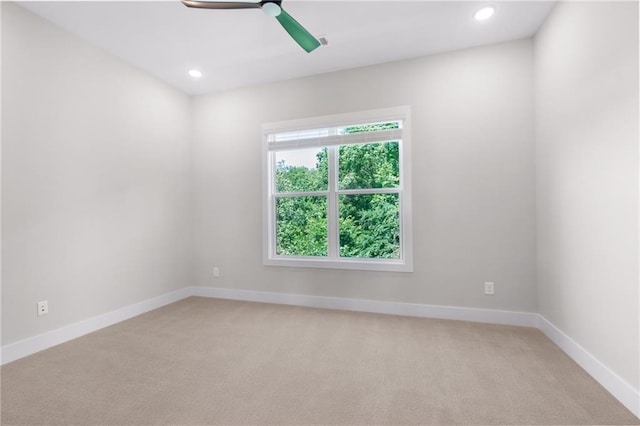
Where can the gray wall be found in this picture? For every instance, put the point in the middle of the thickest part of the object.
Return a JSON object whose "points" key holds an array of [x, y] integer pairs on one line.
{"points": [[587, 178], [473, 178], [95, 180]]}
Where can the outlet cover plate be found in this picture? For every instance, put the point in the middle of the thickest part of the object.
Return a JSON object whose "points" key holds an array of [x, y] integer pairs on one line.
{"points": [[489, 288], [43, 307]]}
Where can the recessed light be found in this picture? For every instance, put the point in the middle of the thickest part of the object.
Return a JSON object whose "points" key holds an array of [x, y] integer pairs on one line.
{"points": [[484, 13], [195, 73]]}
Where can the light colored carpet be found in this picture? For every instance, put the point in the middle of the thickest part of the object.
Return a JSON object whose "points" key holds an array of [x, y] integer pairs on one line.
{"points": [[208, 361]]}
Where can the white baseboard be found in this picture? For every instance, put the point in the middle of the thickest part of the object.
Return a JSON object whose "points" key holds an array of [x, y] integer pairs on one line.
{"points": [[55, 337], [29, 346], [620, 389], [362, 305]]}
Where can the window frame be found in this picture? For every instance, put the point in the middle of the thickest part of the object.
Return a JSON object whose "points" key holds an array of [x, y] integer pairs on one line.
{"points": [[333, 259]]}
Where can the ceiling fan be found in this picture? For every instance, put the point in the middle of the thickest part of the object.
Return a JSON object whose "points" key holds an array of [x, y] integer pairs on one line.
{"points": [[272, 8]]}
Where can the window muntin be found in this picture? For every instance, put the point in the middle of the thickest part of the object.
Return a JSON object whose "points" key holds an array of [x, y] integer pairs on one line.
{"points": [[338, 196]]}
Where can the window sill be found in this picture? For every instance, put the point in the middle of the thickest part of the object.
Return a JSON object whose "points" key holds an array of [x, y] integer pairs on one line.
{"points": [[385, 265]]}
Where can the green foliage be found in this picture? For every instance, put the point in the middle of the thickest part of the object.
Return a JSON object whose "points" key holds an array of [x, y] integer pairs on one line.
{"points": [[370, 226], [369, 223], [300, 178], [301, 226], [371, 127], [374, 165]]}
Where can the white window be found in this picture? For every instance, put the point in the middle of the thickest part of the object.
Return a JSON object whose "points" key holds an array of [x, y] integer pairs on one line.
{"points": [[337, 191]]}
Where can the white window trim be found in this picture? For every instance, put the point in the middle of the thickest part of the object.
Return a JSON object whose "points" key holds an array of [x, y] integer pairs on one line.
{"points": [[405, 264]]}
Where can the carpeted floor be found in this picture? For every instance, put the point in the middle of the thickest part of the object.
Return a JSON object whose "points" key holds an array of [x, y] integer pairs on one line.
{"points": [[209, 361]]}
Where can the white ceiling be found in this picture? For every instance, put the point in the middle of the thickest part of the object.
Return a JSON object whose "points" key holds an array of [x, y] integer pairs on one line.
{"points": [[235, 48]]}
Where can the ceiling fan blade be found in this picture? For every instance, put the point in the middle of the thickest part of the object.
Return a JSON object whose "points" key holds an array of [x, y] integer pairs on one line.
{"points": [[221, 4], [303, 37]]}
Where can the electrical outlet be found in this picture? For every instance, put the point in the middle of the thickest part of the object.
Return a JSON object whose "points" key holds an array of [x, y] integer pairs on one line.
{"points": [[216, 271], [43, 307], [489, 288]]}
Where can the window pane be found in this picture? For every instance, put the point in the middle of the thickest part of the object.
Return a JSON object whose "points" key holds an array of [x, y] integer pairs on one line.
{"points": [[370, 226], [374, 165], [301, 226], [372, 127], [302, 170]]}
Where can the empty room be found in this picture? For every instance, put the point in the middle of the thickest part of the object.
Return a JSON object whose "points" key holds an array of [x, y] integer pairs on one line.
{"points": [[320, 212]]}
